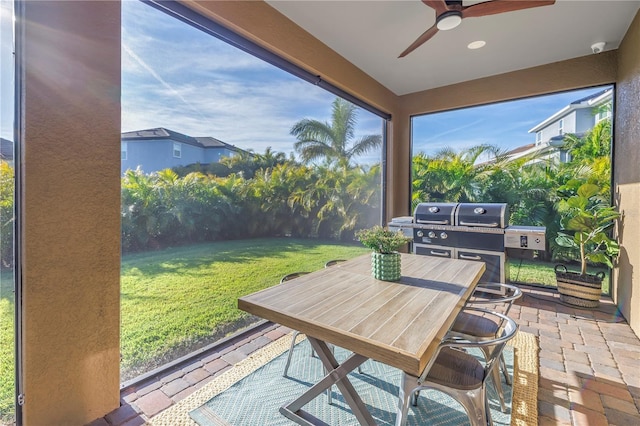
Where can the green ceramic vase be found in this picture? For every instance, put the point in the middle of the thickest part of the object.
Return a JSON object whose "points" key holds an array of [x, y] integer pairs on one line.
{"points": [[385, 266]]}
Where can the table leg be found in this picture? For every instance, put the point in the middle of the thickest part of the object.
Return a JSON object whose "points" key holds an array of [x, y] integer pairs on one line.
{"points": [[337, 375]]}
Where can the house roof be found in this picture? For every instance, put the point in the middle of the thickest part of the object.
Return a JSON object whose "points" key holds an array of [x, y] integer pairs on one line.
{"points": [[520, 149], [163, 133], [590, 101], [6, 149]]}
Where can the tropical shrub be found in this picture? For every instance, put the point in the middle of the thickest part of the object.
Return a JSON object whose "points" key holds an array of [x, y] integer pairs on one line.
{"points": [[6, 215], [285, 199]]}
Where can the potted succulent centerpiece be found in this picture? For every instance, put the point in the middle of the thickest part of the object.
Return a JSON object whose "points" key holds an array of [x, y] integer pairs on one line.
{"points": [[385, 259], [586, 222]]}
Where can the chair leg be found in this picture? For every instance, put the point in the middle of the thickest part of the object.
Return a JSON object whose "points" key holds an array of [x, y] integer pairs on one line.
{"points": [[475, 403], [293, 345], [497, 384], [408, 387], [286, 366], [505, 371]]}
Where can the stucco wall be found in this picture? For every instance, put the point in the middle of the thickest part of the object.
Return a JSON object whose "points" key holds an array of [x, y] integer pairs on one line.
{"points": [[626, 175], [70, 209]]}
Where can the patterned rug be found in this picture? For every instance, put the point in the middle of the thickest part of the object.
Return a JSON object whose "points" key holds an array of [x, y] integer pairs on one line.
{"points": [[252, 392]]}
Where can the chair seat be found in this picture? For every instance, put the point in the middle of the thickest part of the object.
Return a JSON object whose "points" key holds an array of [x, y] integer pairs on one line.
{"points": [[456, 369], [474, 325]]}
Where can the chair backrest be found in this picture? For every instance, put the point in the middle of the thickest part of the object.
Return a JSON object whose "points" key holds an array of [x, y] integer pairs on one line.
{"points": [[508, 330], [333, 262], [292, 276], [495, 293]]}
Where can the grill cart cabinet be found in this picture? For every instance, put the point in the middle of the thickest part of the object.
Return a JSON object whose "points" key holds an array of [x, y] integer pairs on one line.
{"points": [[470, 231], [495, 261]]}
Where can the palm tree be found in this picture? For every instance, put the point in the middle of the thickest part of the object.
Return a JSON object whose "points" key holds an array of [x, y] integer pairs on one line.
{"points": [[450, 176], [330, 141]]}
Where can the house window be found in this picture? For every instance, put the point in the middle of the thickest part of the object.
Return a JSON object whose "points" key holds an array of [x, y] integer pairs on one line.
{"points": [[123, 151], [603, 114], [538, 138], [177, 150], [561, 127]]}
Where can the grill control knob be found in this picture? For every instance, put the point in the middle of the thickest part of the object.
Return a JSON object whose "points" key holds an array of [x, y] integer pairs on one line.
{"points": [[443, 235], [420, 234], [431, 234]]}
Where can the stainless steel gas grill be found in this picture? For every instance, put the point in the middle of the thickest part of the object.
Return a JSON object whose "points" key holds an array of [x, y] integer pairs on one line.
{"points": [[471, 231]]}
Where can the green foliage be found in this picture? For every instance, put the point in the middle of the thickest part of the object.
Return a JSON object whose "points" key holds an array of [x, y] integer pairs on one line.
{"points": [[382, 240], [332, 142], [216, 169], [6, 215], [450, 176], [280, 198], [595, 143], [587, 219]]}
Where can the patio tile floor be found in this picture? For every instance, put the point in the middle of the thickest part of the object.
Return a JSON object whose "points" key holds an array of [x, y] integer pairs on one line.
{"points": [[589, 366]]}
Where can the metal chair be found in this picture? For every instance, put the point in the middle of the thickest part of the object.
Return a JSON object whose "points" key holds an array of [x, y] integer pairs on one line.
{"points": [[459, 374], [477, 327], [333, 262], [296, 333], [292, 276]]}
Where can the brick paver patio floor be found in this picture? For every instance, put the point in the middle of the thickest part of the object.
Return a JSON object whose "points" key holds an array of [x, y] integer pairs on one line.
{"points": [[589, 364]]}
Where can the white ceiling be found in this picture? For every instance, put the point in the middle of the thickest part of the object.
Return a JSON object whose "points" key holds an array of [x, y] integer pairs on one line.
{"points": [[371, 35]]}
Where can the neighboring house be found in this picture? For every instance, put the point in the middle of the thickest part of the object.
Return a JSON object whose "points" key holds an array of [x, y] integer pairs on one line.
{"points": [[157, 149], [6, 151], [576, 118]]}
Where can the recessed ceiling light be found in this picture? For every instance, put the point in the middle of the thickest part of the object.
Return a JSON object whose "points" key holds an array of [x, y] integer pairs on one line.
{"points": [[476, 44]]}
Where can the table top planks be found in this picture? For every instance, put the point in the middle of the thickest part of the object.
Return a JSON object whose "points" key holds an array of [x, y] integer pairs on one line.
{"points": [[397, 323]]}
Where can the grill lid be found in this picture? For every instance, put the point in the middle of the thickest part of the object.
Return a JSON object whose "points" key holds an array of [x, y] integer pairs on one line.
{"points": [[488, 215], [435, 213]]}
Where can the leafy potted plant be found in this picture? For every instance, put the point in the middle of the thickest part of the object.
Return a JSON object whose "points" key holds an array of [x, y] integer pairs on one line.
{"points": [[586, 220], [385, 259]]}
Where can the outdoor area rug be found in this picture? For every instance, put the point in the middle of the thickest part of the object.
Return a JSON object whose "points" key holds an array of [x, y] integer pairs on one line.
{"points": [[252, 392]]}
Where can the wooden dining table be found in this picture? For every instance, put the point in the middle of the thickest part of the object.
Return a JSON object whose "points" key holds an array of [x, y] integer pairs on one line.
{"points": [[397, 323]]}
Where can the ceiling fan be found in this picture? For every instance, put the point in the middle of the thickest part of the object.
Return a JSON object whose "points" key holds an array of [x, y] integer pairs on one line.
{"points": [[449, 14]]}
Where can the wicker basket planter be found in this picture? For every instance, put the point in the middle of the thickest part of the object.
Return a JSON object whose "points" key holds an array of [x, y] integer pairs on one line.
{"points": [[579, 290], [385, 266]]}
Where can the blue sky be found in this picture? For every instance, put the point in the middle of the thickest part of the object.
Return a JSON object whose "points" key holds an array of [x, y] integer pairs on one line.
{"points": [[504, 124], [177, 77]]}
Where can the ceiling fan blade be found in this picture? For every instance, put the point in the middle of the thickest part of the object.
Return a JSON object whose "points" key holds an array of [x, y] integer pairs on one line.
{"points": [[501, 6], [439, 6], [420, 41]]}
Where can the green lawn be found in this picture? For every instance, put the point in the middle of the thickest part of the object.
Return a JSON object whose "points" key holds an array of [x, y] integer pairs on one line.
{"points": [[7, 348], [176, 300], [542, 273]]}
